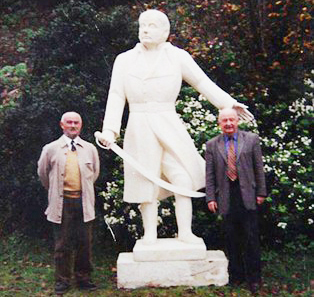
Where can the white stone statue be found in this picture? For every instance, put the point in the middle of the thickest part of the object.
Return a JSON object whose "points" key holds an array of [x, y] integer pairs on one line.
{"points": [[149, 78]]}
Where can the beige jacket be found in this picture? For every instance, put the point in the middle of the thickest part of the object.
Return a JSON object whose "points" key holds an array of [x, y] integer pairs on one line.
{"points": [[155, 135], [51, 166]]}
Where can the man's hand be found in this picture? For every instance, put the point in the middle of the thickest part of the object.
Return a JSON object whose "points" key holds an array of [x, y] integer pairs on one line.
{"points": [[243, 112], [212, 206], [260, 200], [106, 137]]}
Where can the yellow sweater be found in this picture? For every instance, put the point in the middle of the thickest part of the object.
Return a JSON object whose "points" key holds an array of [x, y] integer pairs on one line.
{"points": [[72, 177]]}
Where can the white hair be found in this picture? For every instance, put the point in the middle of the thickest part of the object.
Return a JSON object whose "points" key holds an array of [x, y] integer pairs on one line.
{"points": [[228, 109], [68, 113]]}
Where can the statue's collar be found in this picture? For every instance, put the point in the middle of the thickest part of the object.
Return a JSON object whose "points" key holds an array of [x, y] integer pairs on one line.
{"points": [[141, 48]]}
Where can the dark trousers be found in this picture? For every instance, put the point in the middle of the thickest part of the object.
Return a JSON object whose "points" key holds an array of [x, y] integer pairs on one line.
{"points": [[73, 243], [242, 239]]}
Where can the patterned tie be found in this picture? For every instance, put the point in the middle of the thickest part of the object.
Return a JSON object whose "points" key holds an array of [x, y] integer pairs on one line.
{"points": [[73, 148], [232, 168]]}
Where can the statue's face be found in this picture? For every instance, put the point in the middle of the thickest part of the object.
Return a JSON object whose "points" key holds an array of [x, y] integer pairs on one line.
{"points": [[152, 31]]}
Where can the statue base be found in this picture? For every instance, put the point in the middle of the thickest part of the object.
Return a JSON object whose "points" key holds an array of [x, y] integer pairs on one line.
{"points": [[170, 262]]}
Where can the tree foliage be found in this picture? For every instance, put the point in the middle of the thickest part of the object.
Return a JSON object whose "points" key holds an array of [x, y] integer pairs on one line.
{"points": [[70, 67], [261, 52]]}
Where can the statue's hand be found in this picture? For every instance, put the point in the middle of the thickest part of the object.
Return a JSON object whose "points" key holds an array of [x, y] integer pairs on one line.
{"points": [[106, 137], [243, 112]]}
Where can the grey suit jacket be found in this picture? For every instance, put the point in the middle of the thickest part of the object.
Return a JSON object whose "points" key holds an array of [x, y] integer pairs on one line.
{"points": [[250, 171]]}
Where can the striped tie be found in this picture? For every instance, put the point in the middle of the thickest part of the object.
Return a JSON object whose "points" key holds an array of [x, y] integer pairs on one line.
{"points": [[232, 168]]}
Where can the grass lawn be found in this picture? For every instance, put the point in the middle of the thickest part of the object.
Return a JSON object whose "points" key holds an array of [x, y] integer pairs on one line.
{"points": [[27, 270]]}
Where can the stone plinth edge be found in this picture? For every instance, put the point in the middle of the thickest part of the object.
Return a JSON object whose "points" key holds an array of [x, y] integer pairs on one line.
{"points": [[168, 249]]}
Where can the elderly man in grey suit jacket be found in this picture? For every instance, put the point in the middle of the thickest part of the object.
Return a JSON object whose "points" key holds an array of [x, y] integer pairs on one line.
{"points": [[235, 185]]}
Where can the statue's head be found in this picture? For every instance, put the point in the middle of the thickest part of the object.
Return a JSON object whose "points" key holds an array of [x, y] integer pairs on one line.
{"points": [[154, 27]]}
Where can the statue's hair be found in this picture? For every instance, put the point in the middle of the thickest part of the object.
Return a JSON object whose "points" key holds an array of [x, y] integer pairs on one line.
{"points": [[161, 17]]}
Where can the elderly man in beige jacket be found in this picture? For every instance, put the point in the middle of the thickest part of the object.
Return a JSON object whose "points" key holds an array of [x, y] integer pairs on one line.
{"points": [[68, 168], [149, 78]]}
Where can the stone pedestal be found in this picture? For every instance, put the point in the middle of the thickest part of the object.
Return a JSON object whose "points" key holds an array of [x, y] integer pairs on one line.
{"points": [[170, 262]]}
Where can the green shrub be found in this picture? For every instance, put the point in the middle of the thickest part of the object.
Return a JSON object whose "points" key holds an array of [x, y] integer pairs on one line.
{"points": [[71, 61]]}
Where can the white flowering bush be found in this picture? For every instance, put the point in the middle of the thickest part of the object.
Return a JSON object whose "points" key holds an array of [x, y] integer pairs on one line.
{"points": [[288, 167]]}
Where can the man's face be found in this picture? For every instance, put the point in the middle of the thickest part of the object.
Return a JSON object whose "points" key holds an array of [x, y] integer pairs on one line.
{"points": [[71, 125], [151, 30], [228, 122]]}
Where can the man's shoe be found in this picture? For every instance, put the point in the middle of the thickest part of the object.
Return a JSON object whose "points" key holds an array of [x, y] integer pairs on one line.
{"points": [[87, 285], [254, 287], [61, 287]]}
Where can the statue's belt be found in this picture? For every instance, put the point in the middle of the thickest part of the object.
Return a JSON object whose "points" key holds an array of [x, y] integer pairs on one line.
{"points": [[158, 181]]}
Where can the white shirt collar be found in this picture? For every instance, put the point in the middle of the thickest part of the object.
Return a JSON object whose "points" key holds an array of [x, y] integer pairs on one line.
{"points": [[68, 140]]}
